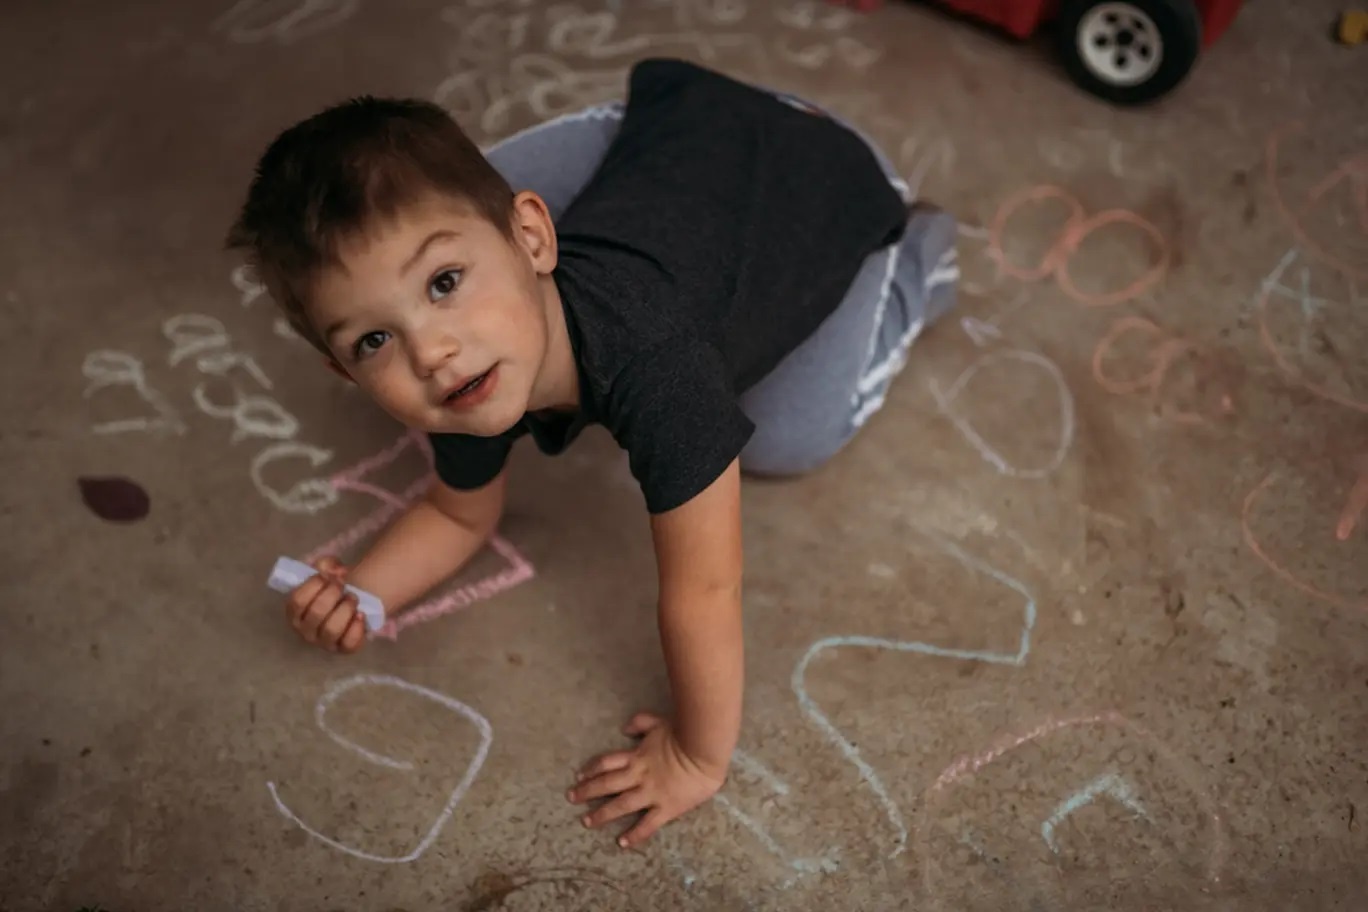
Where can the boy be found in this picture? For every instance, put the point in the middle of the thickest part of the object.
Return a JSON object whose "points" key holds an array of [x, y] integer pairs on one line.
{"points": [[726, 279]]}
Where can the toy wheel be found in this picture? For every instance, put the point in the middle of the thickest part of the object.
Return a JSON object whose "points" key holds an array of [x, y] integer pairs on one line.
{"points": [[1129, 51]]}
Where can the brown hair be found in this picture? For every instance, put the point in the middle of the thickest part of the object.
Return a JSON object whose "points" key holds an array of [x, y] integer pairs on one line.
{"points": [[331, 176]]}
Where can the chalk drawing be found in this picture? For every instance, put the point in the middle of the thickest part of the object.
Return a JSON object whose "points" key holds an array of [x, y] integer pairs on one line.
{"points": [[851, 753], [252, 415], [1354, 505], [814, 14], [192, 334], [518, 571], [542, 83], [472, 770], [1055, 263], [202, 337], [1110, 784], [204, 341], [1310, 308], [945, 402], [1346, 522], [967, 766], [1166, 351], [800, 866], [815, 56], [917, 156], [1059, 154], [309, 495], [1350, 176], [492, 77], [106, 368], [487, 38], [982, 332], [687, 875], [285, 21], [250, 290], [591, 34]]}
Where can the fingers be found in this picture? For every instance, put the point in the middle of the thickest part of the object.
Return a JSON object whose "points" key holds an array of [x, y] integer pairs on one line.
{"points": [[621, 806], [322, 613], [354, 636], [297, 606], [335, 625], [613, 783], [641, 723], [645, 828], [606, 763]]}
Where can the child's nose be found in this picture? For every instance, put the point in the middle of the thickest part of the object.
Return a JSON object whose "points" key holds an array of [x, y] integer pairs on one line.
{"points": [[432, 351]]}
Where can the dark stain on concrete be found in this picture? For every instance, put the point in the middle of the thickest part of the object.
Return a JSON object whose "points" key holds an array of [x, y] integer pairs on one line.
{"points": [[114, 498]]}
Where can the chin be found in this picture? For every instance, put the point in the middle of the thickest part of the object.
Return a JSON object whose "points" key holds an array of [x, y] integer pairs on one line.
{"points": [[490, 420]]}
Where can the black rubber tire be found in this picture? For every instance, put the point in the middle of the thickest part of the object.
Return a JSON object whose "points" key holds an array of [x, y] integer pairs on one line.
{"points": [[1180, 36]]}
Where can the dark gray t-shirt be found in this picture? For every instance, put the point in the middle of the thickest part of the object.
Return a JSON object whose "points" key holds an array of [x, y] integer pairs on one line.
{"points": [[719, 231]]}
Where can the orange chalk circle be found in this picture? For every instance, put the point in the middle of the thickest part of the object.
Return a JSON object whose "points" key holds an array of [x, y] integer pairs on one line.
{"points": [[1353, 508], [1077, 229], [1358, 500], [1353, 169], [1168, 349]]}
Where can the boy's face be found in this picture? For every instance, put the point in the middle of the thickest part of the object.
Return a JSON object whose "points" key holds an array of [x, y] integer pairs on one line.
{"points": [[441, 318]]}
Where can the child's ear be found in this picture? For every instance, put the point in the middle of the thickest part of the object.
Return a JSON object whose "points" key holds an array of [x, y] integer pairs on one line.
{"points": [[533, 225], [338, 369]]}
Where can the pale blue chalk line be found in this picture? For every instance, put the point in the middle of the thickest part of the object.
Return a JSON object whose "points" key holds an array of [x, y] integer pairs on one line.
{"points": [[849, 750], [1106, 784], [801, 865], [686, 874], [759, 771]]}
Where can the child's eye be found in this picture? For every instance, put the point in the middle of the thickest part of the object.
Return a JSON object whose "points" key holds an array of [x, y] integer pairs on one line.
{"points": [[369, 343], [443, 283]]}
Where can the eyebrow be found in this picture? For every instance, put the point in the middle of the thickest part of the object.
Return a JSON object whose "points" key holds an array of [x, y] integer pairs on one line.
{"points": [[442, 234]]}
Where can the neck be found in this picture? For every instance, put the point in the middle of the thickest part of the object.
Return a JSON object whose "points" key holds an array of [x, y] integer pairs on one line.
{"points": [[558, 383]]}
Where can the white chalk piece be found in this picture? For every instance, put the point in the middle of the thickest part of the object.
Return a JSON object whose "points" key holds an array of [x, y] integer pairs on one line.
{"points": [[288, 574]]}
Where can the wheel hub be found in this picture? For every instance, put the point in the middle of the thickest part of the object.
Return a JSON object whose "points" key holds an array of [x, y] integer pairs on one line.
{"points": [[1120, 43]]}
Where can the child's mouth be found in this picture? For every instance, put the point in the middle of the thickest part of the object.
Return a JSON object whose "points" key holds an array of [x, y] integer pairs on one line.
{"points": [[471, 392]]}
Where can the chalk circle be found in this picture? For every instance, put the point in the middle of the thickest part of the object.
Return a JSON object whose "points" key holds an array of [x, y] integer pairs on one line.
{"points": [[1035, 362], [1068, 239], [1163, 351], [1029, 835], [1054, 253], [1293, 360], [1340, 529], [1344, 244], [473, 716]]}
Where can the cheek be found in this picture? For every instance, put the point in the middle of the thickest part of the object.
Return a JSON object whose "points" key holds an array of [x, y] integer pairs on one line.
{"points": [[387, 382]]}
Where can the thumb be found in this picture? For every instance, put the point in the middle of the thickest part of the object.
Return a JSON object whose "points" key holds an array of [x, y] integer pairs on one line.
{"points": [[641, 723], [331, 566]]}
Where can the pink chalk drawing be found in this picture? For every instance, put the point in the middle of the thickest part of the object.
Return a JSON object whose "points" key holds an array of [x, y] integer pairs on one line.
{"points": [[966, 767], [518, 571]]}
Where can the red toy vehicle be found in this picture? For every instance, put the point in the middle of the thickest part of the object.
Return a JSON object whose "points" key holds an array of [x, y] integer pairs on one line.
{"points": [[1125, 51]]}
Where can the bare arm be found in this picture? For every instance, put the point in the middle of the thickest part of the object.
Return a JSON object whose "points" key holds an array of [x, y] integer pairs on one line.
{"points": [[432, 540], [699, 556]]}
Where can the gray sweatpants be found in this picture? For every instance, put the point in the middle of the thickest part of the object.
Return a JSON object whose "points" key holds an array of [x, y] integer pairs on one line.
{"points": [[814, 401]]}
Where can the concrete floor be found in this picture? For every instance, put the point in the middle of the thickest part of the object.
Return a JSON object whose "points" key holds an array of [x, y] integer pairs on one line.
{"points": [[1105, 545]]}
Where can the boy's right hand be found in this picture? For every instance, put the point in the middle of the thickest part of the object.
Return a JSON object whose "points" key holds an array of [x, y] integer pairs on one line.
{"points": [[323, 613]]}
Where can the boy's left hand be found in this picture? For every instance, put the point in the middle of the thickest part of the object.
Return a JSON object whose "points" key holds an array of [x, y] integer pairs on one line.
{"points": [[656, 776]]}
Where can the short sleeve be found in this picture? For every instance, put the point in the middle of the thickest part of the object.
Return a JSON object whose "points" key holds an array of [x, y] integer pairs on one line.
{"points": [[674, 412], [466, 462]]}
